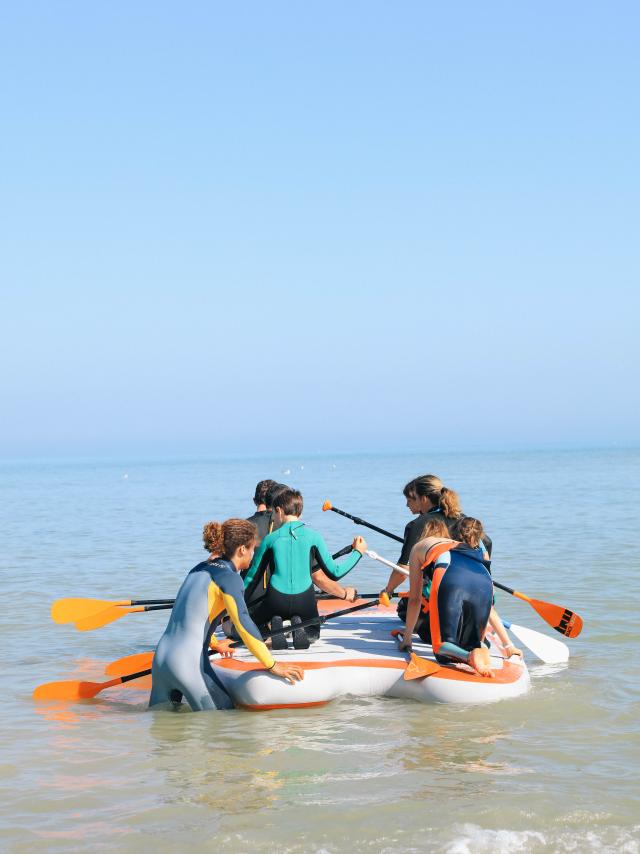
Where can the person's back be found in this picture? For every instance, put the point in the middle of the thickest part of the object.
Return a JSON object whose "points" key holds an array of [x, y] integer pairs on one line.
{"points": [[262, 518], [295, 557]]}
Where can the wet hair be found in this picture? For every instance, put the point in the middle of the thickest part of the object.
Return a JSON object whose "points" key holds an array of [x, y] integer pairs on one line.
{"points": [[439, 495], [470, 531], [224, 538], [272, 492], [262, 490], [290, 502], [435, 527]]}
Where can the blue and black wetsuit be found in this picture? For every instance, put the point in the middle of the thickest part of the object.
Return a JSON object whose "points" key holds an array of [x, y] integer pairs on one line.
{"points": [[459, 603], [290, 554], [181, 664]]}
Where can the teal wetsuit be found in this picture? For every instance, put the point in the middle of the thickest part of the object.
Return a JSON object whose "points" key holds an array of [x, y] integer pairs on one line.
{"points": [[289, 553]]}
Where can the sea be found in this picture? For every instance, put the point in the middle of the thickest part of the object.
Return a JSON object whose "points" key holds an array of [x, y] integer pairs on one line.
{"points": [[555, 770]]}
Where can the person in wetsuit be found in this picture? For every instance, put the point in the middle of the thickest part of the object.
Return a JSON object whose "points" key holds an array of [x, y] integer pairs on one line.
{"points": [[181, 666], [297, 557], [460, 598], [266, 491], [262, 516], [429, 499]]}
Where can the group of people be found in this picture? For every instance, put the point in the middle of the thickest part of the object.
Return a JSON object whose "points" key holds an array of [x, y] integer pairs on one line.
{"points": [[267, 569]]}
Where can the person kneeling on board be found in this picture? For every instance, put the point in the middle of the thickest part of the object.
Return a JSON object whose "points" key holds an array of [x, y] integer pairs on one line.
{"points": [[289, 553], [181, 666], [460, 597]]}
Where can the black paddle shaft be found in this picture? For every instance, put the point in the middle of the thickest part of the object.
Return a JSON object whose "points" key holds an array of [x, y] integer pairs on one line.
{"points": [[314, 621], [358, 521]]}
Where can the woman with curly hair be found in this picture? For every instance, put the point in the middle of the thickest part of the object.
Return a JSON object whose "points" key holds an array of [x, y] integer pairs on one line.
{"points": [[181, 666]]}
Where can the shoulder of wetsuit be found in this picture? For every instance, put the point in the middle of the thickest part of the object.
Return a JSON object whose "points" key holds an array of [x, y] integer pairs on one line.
{"points": [[204, 565]]}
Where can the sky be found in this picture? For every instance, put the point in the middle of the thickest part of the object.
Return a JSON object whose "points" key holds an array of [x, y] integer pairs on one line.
{"points": [[262, 227]]}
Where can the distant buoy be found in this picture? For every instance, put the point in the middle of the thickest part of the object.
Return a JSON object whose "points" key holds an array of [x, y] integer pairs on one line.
{"points": [[286, 471]]}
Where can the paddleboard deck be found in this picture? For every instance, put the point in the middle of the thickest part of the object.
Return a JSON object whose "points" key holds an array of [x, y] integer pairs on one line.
{"points": [[357, 656]]}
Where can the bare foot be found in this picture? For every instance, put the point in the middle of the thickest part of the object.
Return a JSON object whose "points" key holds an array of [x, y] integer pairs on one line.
{"points": [[480, 660]]}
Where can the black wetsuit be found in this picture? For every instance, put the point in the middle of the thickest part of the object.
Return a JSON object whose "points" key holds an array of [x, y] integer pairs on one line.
{"points": [[262, 520]]}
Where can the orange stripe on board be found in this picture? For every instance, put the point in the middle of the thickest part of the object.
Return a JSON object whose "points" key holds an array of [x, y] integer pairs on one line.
{"points": [[252, 708], [434, 616]]}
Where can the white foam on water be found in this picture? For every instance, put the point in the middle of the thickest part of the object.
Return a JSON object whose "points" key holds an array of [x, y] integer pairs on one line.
{"points": [[607, 840]]}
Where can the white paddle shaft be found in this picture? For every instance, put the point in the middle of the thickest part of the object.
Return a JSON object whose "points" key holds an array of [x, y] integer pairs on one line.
{"points": [[376, 556]]}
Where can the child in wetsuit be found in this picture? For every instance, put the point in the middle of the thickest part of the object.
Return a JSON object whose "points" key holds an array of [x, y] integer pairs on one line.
{"points": [[296, 558], [460, 599]]}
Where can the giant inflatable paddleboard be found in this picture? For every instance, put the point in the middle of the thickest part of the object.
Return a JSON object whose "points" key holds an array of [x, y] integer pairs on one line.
{"points": [[357, 656]]}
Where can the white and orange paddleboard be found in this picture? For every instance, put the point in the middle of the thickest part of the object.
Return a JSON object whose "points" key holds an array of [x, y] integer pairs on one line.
{"points": [[357, 656]]}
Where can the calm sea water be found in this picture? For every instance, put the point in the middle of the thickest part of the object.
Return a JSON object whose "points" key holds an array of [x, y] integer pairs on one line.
{"points": [[553, 771]]}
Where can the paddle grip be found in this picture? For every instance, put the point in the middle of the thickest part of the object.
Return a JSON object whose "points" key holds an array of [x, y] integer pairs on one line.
{"points": [[152, 602]]}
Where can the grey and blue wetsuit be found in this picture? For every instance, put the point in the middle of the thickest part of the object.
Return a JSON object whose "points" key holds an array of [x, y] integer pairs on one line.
{"points": [[181, 664]]}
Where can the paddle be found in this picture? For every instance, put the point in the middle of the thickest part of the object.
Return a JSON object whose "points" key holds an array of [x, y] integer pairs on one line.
{"points": [[547, 649], [382, 599], [358, 521], [90, 614], [70, 610], [562, 619], [72, 689], [417, 667], [113, 613], [140, 660]]}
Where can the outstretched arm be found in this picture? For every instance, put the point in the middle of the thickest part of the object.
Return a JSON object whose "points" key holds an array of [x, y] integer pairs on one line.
{"points": [[337, 570]]}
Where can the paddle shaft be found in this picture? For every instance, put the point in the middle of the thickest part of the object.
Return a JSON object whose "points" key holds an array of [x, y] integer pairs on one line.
{"points": [[315, 621], [120, 680], [563, 620], [358, 521]]}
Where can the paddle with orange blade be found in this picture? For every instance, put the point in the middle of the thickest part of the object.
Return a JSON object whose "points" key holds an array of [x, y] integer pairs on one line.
{"points": [[567, 622], [113, 613], [562, 619], [73, 689], [75, 608], [418, 667]]}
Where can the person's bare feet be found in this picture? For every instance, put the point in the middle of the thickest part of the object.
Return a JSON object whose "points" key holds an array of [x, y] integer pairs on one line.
{"points": [[480, 660]]}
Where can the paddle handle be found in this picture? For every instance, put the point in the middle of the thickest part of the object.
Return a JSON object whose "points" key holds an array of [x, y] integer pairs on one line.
{"points": [[152, 602], [358, 521]]}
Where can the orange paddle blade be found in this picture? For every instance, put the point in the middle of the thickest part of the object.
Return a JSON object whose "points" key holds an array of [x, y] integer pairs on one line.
{"points": [[326, 506], [130, 664], [103, 618], [567, 622], [420, 667], [71, 689], [70, 610]]}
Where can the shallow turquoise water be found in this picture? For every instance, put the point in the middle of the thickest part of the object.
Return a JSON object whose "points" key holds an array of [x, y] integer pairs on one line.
{"points": [[555, 770]]}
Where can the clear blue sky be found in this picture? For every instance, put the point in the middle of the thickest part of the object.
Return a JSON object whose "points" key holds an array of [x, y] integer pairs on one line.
{"points": [[264, 226]]}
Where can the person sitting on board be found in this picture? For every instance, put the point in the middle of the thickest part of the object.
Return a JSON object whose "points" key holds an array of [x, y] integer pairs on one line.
{"points": [[435, 527], [460, 598], [428, 498], [181, 666], [289, 553], [262, 516]]}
